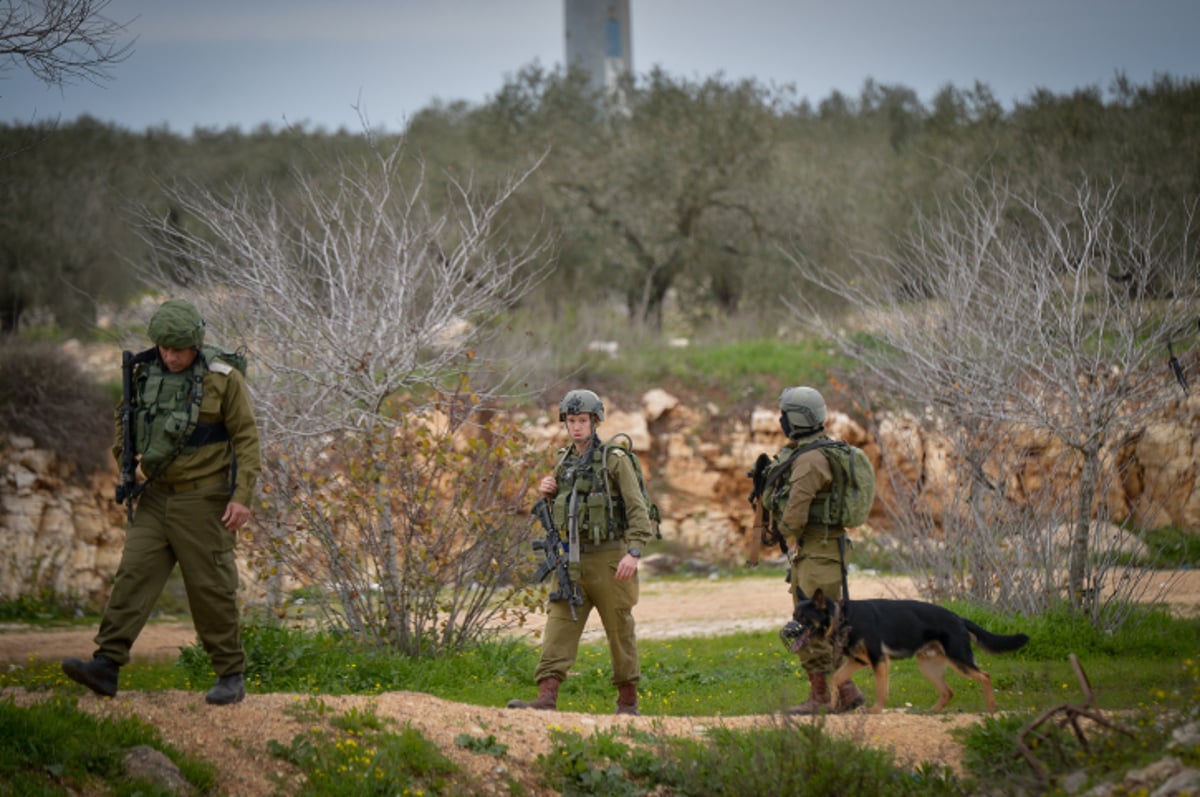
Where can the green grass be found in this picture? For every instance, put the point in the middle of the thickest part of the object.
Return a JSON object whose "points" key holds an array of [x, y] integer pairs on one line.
{"points": [[1172, 547], [358, 753], [52, 747], [1137, 737], [745, 673], [751, 369], [794, 758], [42, 609], [1143, 672]]}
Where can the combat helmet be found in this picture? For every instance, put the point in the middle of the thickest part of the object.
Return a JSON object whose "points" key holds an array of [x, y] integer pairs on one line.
{"points": [[176, 324], [577, 402], [802, 410]]}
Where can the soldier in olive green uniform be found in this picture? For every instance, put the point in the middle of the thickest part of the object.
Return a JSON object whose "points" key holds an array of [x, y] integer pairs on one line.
{"points": [[603, 500], [198, 447], [818, 550]]}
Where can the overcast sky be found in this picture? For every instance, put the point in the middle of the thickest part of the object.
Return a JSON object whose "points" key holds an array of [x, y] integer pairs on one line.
{"points": [[242, 63]]}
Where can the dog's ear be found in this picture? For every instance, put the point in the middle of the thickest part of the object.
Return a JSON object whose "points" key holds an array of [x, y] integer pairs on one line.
{"points": [[818, 599], [800, 595]]}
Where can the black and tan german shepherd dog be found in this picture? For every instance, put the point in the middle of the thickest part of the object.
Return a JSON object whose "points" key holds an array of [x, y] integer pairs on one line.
{"points": [[873, 632]]}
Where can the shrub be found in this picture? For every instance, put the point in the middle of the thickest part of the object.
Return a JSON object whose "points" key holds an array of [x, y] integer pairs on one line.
{"points": [[46, 396]]}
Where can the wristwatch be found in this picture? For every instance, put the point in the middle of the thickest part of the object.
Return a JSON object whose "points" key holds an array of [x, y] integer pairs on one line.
{"points": [[636, 553]]}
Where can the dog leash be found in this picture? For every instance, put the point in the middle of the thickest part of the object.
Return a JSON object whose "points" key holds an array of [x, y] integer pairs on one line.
{"points": [[845, 578]]}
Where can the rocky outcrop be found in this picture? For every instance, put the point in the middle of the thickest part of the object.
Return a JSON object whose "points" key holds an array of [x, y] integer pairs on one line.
{"points": [[66, 537], [696, 460], [58, 536]]}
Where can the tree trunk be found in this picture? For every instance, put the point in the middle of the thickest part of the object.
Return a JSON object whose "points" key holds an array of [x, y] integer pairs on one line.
{"points": [[1082, 596]]}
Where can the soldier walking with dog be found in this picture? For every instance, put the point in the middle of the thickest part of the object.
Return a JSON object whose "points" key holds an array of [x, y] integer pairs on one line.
{"points": [[798, 498], [597, 495], [188, 418]]}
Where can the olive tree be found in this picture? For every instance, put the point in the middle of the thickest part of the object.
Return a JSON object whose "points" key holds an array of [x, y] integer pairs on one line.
{"points": [[1040, 335], [664, 187], [388, 488]]}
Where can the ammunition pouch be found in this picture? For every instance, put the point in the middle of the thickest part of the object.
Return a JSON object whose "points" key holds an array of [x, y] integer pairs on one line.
{"points": [[601, 516]]}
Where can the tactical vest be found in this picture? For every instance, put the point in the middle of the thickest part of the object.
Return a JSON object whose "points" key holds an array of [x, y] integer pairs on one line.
{"points": [[167, 419], [599, 509]]}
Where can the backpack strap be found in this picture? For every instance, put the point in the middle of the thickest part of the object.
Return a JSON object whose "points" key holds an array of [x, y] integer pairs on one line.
{"points": [[775, 472], [627, 448], [608, 490]]}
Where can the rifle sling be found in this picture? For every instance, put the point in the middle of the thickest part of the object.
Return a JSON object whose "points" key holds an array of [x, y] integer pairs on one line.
{"points": [[573, 528]]}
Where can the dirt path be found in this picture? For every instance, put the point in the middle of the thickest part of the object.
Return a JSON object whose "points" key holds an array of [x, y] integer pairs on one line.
{"points": [[234, 737], [666, 609]]}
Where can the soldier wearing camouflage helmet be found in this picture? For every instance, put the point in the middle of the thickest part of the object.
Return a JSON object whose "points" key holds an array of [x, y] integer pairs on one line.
{"points": [[817, 551], [193, 421], [585, 487]]}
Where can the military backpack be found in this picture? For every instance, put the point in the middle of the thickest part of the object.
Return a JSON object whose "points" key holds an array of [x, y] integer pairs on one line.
{"points": [[847, 502], [219, 359], [625, 443]]}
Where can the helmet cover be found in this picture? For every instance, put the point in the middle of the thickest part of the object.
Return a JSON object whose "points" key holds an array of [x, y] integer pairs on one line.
{"points": [[578, 402], [803, 407], [176, 324]]}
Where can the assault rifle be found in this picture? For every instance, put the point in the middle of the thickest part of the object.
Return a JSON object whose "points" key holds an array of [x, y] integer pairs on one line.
{"points": [[762, 522], [128, 488], [556, 561]]}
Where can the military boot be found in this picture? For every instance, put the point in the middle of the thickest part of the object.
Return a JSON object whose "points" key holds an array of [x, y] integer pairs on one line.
{"points": [[850, 697], [229, 689], [100, 674], [627, 699], [818, 697], [547, 699]]}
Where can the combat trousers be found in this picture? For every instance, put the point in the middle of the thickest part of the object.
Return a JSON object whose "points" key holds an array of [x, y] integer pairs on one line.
{"points": [[817, 564], [614, 601], [185, 528]]}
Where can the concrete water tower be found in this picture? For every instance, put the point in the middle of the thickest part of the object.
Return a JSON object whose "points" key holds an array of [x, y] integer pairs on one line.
{"points": [[598, 40]]}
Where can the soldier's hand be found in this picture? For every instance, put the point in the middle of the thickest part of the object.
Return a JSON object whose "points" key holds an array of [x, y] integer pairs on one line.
{"points": [[236, 515], [627, 567], [548, 486]]}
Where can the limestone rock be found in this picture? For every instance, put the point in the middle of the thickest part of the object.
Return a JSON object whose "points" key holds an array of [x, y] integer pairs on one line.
{"points": [[66, 535], [656, 403]]}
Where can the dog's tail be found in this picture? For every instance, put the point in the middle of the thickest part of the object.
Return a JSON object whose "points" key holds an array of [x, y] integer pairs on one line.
{"points": [[995, 643]]}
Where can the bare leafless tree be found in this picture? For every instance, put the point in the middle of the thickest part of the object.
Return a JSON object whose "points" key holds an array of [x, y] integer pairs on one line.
{"points": [[61, 40], [365, 286], [360, 295], [1033, 322]]}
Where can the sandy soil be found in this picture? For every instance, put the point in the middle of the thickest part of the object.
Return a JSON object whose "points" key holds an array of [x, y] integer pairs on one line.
{"points": [[234, 738]]}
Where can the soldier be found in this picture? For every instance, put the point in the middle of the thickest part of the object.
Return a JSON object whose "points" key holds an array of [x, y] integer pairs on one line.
{"points": [[818, 550], [602, 501], [198, 444]]}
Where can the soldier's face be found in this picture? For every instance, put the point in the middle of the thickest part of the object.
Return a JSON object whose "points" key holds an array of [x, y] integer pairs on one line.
{"points": [[579, 427], [177, 360]]}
